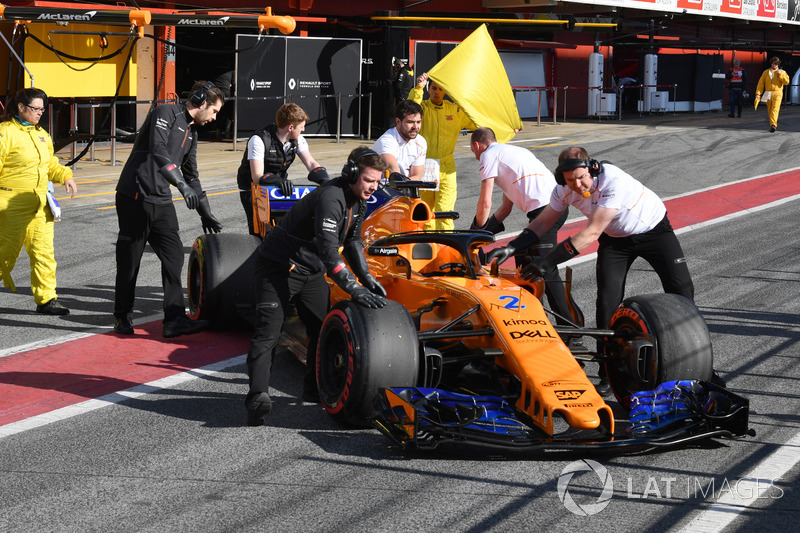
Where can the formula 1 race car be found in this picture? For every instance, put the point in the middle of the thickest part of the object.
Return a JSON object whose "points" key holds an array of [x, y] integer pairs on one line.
{"points": [[467, 354]]}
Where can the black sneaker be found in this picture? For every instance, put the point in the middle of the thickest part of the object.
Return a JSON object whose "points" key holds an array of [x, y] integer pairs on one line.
{"points": [[772, 129], [258, 405], [604, 387], [52, 308], [123, 325], [183, 325]]}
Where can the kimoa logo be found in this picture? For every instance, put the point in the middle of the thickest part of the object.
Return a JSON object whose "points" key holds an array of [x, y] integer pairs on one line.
{"points": [[58, 16], [585, 509]]}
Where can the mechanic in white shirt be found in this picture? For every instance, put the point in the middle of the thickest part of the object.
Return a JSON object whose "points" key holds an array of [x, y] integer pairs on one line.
{"points": [[527, 184], [402, 147], [626, 218]]}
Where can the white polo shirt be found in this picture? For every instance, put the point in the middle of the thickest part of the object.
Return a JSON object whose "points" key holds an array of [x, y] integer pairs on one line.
{"points": [[638, 208], [523, 178], [255, 147], [408, 153]]}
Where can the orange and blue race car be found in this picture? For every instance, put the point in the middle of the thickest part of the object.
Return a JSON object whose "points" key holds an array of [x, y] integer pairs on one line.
{"points": [[466, 354]]}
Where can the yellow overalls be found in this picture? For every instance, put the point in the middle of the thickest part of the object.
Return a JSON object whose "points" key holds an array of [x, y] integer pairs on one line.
{"points": [[27, 163], [440, 127]]}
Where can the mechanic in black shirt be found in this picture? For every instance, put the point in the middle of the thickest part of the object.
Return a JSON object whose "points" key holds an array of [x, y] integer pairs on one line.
{"points": [[164, 154], [291, 266], [269, 154], [403, 81]]}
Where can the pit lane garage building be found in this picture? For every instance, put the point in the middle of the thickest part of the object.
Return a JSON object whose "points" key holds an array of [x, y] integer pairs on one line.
{"points": [[564, 58]]}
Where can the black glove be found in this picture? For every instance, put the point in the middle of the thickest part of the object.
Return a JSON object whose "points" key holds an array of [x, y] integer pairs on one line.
{"points": [[189, 196], [173, 176], [363, 296], [373, 285], [524, 240], [492, 225], [564, 251], [209, 221], [286, 187], [536, 268], [319, 176], [353, 251]]}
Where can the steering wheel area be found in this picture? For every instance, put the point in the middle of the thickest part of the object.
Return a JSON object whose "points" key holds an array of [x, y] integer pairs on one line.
{"points": [[454, 269]]}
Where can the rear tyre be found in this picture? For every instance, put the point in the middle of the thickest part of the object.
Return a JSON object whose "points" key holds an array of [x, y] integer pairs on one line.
{"points": [[668, 340], [221, 275], [361, 350]]}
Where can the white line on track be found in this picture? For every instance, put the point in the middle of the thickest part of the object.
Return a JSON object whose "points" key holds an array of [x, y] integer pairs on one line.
{"points": [[749, 489], [44, 343], [117, 397]]}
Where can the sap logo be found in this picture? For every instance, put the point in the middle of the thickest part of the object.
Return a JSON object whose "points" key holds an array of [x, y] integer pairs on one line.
{"points": [[532, 334], [569, 394]]}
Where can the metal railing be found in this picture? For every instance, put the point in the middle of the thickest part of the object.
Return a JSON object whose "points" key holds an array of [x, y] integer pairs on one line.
{"points": [[525, 89], [618, 90], [76, 107]]}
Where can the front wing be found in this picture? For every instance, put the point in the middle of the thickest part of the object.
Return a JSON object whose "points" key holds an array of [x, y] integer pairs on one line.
{"points": [[426, 418]]}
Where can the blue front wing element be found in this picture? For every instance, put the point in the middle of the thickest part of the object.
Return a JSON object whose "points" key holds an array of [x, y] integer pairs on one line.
{"points": [[676, 404], [425, 418]]}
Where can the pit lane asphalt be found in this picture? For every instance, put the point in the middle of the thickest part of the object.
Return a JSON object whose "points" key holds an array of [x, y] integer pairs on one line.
{"points": [[179, 459]]}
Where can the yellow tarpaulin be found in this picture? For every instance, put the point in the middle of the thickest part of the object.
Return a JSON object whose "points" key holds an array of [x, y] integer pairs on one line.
{"points": [[473, 76]]}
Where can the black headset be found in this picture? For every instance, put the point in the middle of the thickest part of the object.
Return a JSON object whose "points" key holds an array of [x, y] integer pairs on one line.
{"points": [[199, 97], [350, 170], [594, 167]]}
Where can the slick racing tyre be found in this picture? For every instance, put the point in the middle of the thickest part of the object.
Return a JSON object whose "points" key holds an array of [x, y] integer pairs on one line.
{"points": [[221, 279], [665, 338], [361, 350]]}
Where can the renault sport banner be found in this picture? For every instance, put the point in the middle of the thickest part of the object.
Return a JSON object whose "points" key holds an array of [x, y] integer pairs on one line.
{"points": [[761, 10], [321, 75]]}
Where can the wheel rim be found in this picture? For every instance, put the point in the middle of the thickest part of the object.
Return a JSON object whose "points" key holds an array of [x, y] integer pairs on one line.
{"points": [[195, 284], [333, 366], [627, 365]]}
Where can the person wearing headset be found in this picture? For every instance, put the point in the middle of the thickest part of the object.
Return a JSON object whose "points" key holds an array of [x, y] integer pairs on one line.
{"points": [[291, 265], [164, 154], [626, 218], [527, 184], [269, 154]]}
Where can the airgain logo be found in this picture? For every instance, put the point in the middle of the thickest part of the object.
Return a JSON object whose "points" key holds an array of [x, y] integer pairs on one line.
{"points": [[584, 484]]}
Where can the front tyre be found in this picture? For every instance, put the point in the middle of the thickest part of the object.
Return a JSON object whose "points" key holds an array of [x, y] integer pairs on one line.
{"points": [[665, 338], [361, 350]]}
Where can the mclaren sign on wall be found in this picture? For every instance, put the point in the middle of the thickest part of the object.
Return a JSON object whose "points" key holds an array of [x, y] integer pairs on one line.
{"points": [[321, 75]]}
